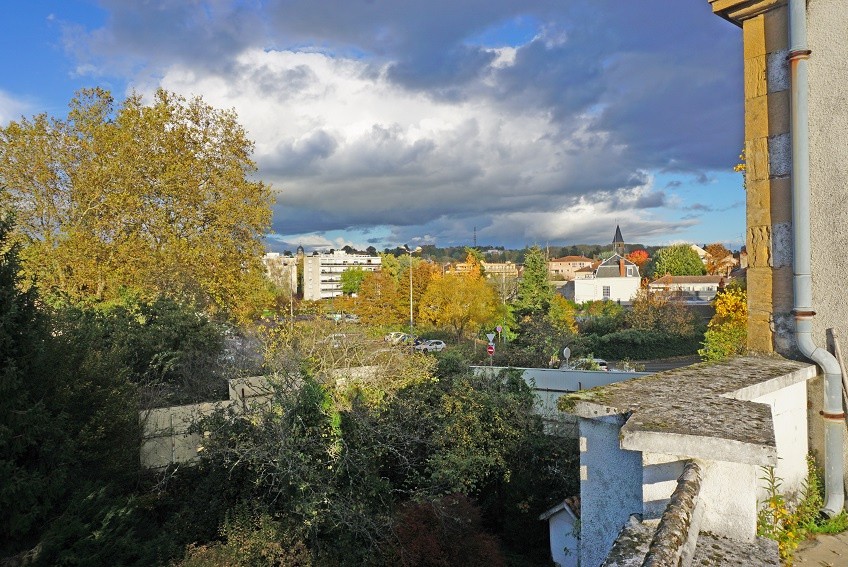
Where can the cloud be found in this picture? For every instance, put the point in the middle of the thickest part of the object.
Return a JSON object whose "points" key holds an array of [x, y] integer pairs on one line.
{"points": [[433, 117], [12, 108]]}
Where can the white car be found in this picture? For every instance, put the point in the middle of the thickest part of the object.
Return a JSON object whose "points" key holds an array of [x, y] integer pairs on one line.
{"points": [[587, 364], [430, 346], [394, 337]]}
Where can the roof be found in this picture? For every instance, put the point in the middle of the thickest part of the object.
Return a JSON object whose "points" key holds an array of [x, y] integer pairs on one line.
{"points": [[611, 267], [581, 259], [570, 504], [668, 279], [728, 426], [617, 239]]}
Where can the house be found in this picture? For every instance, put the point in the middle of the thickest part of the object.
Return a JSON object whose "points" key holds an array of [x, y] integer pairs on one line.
{"points": [[564, 526], [566, 267], [490, 269], [322, 273], [688, 288], [614, 279]]}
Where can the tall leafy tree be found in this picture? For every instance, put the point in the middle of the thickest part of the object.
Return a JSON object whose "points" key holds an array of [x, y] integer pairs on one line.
{"points": [[677, 260], [717, 258], [727, 333], [534, 291], [25, 443], [462, 303], [352, 280], [157, 198], [640, 258]]}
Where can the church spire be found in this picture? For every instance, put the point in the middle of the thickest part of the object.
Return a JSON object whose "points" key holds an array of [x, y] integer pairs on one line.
{"points": [[618, 242]]}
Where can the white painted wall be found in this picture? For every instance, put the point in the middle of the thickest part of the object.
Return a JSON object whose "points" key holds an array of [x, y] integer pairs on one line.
{"points": [[610, 487], [564, 547], [827, 22], [592, 289], [789, 414]]}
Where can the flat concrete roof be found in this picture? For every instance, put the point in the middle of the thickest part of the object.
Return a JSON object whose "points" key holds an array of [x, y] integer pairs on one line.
{"points": [[701, 411]]}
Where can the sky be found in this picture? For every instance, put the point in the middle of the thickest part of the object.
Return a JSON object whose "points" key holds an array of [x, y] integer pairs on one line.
{"points": [[388, 122]]}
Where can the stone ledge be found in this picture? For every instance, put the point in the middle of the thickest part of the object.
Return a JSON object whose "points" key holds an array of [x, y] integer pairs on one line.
{"points": [[702, 411]]}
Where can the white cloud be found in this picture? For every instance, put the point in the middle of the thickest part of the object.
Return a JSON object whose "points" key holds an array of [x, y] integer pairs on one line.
{"points": [[12, 108], [335, 135]]}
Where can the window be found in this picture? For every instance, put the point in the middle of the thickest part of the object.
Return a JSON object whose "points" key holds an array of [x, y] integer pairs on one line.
{"points": [[606, 292]]}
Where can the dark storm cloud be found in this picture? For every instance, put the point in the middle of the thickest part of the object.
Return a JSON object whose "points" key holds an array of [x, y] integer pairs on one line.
{"points": [[608, 89]]}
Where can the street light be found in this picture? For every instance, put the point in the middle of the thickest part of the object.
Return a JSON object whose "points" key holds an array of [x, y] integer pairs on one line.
{"points": [[409, 253]]}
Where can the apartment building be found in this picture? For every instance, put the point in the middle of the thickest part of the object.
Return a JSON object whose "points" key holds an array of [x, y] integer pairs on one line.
{"points": [[322, 273]]}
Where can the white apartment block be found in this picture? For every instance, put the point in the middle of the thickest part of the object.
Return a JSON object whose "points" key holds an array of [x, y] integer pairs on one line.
{"points": [[322, 273]]}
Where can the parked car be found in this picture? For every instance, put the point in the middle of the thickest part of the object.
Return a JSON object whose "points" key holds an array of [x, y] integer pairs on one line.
{"points": [[394, 337], [587, 364], [336, 339], [431, 346]]}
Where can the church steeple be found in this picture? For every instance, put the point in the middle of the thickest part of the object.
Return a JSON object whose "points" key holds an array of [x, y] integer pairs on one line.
{"points": [[618, 242]]}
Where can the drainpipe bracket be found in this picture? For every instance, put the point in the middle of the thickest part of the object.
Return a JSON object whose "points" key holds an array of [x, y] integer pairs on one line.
{"points": [[834, 416], [803, 313], [798, 54]]}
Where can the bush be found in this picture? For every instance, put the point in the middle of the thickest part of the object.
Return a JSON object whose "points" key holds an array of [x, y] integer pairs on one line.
{"points": [[637, 344]]}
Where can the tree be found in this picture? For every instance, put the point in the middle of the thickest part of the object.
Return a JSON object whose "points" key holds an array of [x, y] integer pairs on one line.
{"points": [[462, 303], [727, 332], [562, 314], [390, 264], [25, 442], [154, 198], [534, 291], [716, 261], [677, 260], [352, 280], [379, 300], [658, 312], [640, 258]]}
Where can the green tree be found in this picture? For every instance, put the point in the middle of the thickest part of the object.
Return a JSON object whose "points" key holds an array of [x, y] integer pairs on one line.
{"points": [[534, 291], [390, 264], [156, 198], [562, 314], [677, 260], [26, 441], [352, 280]]}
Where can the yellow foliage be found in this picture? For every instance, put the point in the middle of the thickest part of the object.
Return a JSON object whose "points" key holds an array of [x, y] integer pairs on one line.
{"points": [[732, 304], [461, 303]]}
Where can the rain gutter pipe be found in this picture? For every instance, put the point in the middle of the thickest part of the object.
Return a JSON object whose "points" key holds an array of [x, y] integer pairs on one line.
{"points": [[832, 413]]}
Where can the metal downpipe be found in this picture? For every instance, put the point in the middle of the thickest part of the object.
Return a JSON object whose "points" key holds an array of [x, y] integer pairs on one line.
{"points": [[802, 262]]}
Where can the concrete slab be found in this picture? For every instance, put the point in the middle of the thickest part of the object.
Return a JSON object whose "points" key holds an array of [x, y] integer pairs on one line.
{"points": [[824, 551]]}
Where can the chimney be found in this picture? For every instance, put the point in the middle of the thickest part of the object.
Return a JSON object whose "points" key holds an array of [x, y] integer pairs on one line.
{"points": [[622, 270]]}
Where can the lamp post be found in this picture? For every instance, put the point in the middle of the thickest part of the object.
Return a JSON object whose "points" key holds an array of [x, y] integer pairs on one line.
{"points": [[409, 253]]}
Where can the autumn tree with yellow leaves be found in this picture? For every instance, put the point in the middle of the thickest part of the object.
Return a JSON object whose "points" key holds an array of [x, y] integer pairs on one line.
{"points": [[727, 333], [154, 198], [460, 302]]}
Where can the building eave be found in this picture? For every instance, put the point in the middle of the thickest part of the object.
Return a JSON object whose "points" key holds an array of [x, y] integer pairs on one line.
{"points": [[737, 11]]}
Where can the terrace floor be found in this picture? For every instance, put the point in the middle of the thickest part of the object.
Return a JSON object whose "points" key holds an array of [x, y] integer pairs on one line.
{"points": [[824, 551]]}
